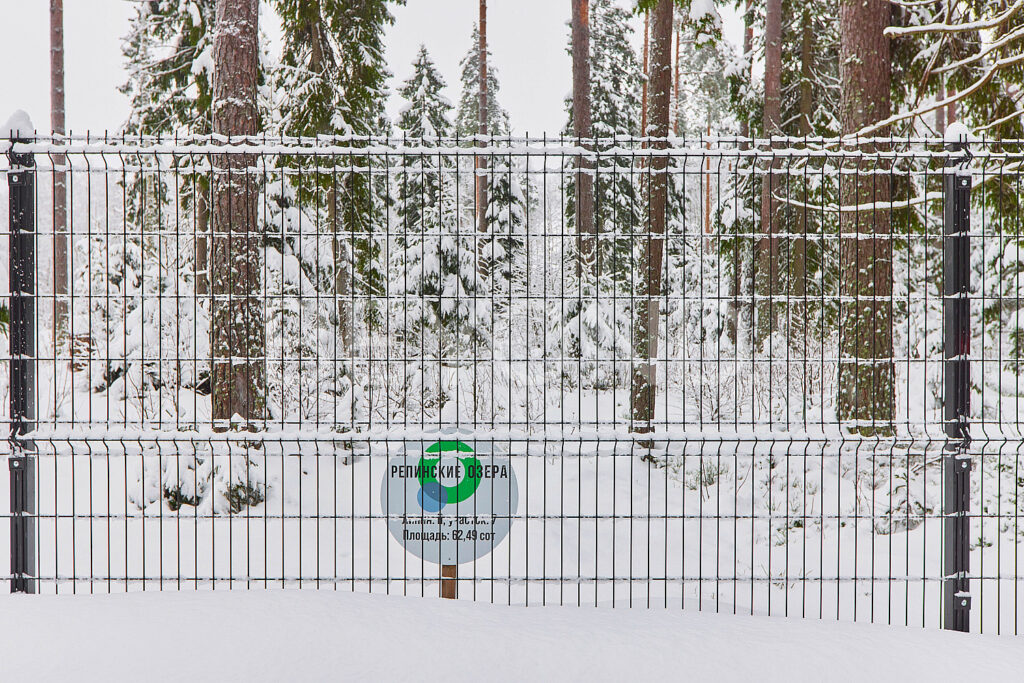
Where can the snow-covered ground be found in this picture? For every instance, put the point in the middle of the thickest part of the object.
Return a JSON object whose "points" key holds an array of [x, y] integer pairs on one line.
{"points": [[319, 635]]}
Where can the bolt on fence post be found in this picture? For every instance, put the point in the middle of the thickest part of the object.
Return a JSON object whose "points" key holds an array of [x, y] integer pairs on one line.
{"points": [[22, 463], [956, 461]]}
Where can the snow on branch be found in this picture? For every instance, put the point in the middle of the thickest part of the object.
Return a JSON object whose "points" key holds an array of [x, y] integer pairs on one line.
{"points": [[861, 208], [941, 27], [977, 85], [989, 49], [998, 122]]}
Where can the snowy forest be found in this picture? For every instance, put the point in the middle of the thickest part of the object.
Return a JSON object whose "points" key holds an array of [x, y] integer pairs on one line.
{"points": [[736, 245], [393, 274], [378, 253]]}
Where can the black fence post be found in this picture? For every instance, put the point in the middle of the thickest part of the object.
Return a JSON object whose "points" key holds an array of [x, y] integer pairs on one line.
{"points": [[956, 461], [21, 183]]}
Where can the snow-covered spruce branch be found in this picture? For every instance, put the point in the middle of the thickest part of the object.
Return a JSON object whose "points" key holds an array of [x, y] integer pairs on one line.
{"points": [[912, 3], [942, 27], [992, 124], [299, 71], [867, 206], [914, 113], [154, 69], [989, 49]]}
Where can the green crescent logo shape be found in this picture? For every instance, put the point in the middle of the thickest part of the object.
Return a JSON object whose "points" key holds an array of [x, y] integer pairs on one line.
{"points": [[469, 484]]}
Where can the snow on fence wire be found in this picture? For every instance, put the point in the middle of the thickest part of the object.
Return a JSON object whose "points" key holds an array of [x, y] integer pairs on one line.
{"points": [[718, 367]]}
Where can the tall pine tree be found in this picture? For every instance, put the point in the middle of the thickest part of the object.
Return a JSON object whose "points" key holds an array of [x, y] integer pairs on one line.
{"points": [[616, 80]]}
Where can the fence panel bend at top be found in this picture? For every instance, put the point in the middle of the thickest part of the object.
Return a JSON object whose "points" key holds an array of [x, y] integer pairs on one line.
{"points": [[716, 366]]}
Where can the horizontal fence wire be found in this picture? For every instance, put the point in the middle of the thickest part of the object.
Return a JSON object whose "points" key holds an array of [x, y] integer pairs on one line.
{"points": [[715, 366]]}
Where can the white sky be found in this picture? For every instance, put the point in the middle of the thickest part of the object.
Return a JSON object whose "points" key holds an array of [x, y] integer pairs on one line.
{"points": [[527, 40]]}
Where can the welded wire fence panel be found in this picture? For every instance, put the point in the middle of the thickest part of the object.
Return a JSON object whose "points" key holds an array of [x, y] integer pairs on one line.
{"points": [[715, 366]]}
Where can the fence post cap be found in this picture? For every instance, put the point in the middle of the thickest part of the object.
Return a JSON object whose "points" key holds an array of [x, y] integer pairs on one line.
{"points": [[19, 125], [957, 133]]}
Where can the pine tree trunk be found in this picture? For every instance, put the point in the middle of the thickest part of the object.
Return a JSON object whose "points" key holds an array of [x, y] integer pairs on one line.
{"points": [[648, 288], [238, 330], [481, 162], [940, 113], [581, 118], [676, 105], [60, 226], [647, 74], [767, 258], [738, 256], [772, 67], [342, 282], [798, 247], [748, 46], [202, 239], [865, 285]]}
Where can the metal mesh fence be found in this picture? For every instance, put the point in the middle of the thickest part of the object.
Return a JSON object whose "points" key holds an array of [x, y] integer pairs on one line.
{"points": [[732, 400]]}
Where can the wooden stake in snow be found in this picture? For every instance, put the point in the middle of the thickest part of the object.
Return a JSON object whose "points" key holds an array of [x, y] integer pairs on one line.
{"points": [[449, 581]]}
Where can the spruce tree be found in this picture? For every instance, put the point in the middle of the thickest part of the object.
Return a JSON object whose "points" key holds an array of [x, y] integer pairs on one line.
{"points": [[469, 103], [427, 111], [168, 55], [502, 249], [169, 58], [332, 80], [435, 262], [506, 211], [616, 71], [423, 209], [438, 256]]}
